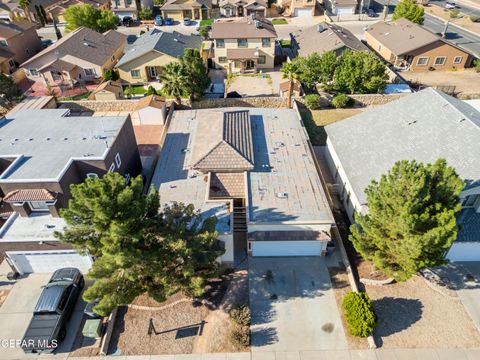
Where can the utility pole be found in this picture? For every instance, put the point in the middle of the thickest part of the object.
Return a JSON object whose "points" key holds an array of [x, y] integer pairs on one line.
{"points": [[444, 33], [385, 10]]}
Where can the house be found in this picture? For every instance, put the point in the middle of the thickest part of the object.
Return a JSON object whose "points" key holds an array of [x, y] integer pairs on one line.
{"points": [[322, 38], [80, 56], [10, 10], [192, 9], [411, 47], [34, 102], [300, 8], [43, 152], [244, 45], [108, 90], [56, 9], [151, 110], [345, 8], [123, 8], [18, 42], [144, 59], [231, 8], [423, 126], [253, 169]]}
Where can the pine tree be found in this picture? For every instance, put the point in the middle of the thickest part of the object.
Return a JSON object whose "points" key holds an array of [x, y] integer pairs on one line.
{"points": [[411, 221], [409, 10], [196, 72], [137, 248]]}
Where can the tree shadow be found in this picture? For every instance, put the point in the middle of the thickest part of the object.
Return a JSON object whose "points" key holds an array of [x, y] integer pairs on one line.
{"points": [[264, 336], [395, 315]]}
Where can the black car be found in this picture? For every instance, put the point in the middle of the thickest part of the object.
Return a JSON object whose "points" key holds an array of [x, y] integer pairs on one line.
{"points": [[127, 21], [48, 326]]}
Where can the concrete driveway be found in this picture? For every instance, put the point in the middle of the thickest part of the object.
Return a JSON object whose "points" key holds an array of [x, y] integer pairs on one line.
{"points": [[293, 306], [16, 313]]}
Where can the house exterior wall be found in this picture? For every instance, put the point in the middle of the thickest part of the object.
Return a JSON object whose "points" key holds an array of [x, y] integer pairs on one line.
{"points": [[108, 95], [24, 45], [153, 58], [383, 51], [152, 115]]}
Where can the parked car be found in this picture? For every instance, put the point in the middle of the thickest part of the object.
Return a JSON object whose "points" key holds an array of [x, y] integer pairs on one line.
{"points": [[371, 13], [127, 21], [168, 21], [47, 42], [450, 5], [158, 20], [48, 326], [186, 21]]}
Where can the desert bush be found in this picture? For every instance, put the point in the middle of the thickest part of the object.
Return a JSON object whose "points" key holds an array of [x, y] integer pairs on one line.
{"points": [[312, 101], [341, 101], [241, 315], [454, 13], [474, 18], [476, 65], [359, 314], [240, 336]]}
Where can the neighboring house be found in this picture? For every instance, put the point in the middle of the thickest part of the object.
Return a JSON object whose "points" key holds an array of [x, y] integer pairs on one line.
{"points": [[300, 8], [130, 8], [254, 170], [411, 47], [231, 8], [9, 10], [108, 90], [151, 110], [18, 42], [144, 59], [344, 8], [47, 151], [56, 10], [423, 126], [192, 9], [322, 38], [244, 45], [80, 56]]}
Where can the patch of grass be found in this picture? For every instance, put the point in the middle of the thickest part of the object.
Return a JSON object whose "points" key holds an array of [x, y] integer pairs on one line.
{"points": [[206, 22], [137, 89], [279, 22], [285, 43]]}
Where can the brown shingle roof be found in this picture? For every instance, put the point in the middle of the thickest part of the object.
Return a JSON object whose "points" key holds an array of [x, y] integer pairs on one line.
{"points": [[109, 85], [29, 195], [151, 100], [9, 29], [227, 185], [235, 54], [243, 28], [223, 142]]}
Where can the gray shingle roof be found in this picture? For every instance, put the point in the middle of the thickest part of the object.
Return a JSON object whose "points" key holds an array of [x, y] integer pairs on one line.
{"points": [[172, 44], [423, 126]]}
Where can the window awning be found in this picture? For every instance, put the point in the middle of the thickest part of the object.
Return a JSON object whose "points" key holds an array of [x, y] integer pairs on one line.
{"points": [[30, 195]]}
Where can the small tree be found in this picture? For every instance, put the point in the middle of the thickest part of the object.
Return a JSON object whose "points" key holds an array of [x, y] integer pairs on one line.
{"points": [[312, 101], [196, 72], [8, 88], [145, 14], [88, 16], [409, 10], [151, 91], [290, 71], [111, 74], [359, 314], [341, 101], [204, 32], [316, 68], [174, 81], [412, 218]]}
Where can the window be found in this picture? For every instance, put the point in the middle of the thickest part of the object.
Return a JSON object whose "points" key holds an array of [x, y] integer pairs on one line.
{"points": [[238, 64], [220, 43], [422, 61], [135, 73], [112, 168], [90, 72], [440, 60], [128, 2], [469, 201], [38, 205], [222, 59], [262, 59], [265, 42], [3, 42], [242, 43], [34, 72], [118, 160], [64, 299], [11, 63], [228, 12], [457, 59], [92, 176], [127, 178]]}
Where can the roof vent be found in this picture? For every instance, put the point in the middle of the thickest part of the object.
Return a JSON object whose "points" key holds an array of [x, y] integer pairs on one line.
{"points": [[282, 195], [48, 139], [258, 24]]}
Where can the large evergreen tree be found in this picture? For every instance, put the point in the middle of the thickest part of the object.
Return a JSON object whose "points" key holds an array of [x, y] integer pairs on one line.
{"points": [[408, 9], [137, 248], [411, 221], [196, 72]]}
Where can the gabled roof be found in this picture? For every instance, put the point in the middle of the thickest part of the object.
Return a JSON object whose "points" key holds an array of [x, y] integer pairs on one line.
{"points": [[109, 85], [9, 29], [85, 44], [186, 4], [326, 37], [29, 195], [223, 142], [247, 28], [173, 44], [151, 101], [424, 126]]}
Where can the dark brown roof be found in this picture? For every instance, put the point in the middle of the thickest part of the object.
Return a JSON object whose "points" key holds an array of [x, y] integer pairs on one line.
{"points": [[223, 142], [227, 185], [59, 65], [151, 100], [243, 28], [30, 195]]}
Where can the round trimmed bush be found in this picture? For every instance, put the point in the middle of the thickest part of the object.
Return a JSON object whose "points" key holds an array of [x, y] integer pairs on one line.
{"points": [[359, 314], [312, 101], [341, 101]]}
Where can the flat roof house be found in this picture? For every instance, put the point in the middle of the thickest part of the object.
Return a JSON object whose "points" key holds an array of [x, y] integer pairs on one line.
{"points": [[244, 45], [409, 46], [423, 126], [253, 169], [324, 37], [43, 152]]}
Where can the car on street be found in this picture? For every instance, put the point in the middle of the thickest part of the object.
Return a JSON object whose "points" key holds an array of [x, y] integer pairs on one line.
{"points": [[186, 21], [158, 20], [450, 5], [47, 42], [168, 21], [48, 326]]}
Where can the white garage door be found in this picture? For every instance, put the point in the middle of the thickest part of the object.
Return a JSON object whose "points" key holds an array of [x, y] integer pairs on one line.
{"points": [[303, 12], [345, 10], [464, 251], [287, 248], [48, 261]]}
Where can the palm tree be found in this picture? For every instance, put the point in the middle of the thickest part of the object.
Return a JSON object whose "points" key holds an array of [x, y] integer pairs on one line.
{"points": [[24, 5], [174, 81], [290, 71]]}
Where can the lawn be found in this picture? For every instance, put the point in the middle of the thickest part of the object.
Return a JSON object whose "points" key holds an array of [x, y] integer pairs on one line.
{"points": [[279, 22], [285, 43], [207, 22]]}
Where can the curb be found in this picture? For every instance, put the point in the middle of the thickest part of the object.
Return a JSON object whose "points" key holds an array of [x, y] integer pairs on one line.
{"points": [[454, 25]]}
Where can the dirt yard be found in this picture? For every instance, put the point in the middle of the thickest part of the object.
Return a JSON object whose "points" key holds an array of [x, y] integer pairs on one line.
{"points": [[180, 326], [250, 85], [466, 82], [412, 315]]}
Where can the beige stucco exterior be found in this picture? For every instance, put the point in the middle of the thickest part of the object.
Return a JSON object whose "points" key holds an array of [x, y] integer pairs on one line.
{"points": [[431, 52], [239, 65], [153, 59]]}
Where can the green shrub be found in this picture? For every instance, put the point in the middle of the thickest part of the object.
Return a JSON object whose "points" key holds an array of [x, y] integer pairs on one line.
{"points": [[111, 74], [359, 314], [240, 336], [312, 101], [454, 13], [341, 101], [151, 90], [241, 315], [476, 65], [474, 18], [145, 14]]}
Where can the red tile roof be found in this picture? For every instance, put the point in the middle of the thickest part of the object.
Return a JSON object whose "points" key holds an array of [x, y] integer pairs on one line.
{"points": [[30, 195]]}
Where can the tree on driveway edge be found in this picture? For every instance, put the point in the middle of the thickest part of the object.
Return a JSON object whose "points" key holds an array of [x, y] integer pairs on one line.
{"points": [[409, 10], [411, 220]]}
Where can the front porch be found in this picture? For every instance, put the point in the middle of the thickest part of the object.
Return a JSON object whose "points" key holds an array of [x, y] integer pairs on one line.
{"points": [[243, 60]]}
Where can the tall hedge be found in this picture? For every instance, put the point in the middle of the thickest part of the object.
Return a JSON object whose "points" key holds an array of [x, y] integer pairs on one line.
{"points": [[359, 313]]}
